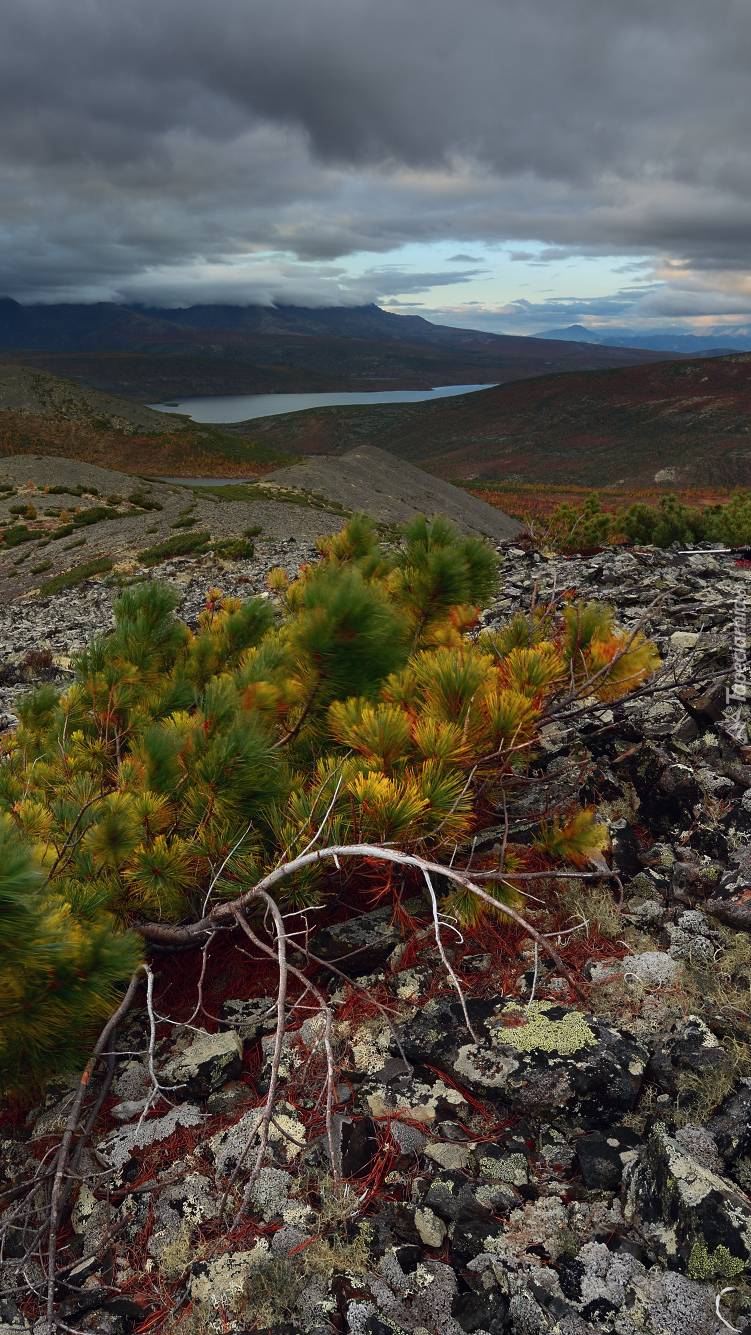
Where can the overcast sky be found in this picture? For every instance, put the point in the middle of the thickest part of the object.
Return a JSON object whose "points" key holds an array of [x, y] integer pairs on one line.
{"points": [[510, 164]]}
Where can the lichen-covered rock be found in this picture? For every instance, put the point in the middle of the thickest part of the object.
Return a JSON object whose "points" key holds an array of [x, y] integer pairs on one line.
{"points": [[689, 1047], [731, 1124], [544, 1061], [228, 1147], [117, 1149], [430, 1227], [731, 901], [369, 940], [250, 1017], [611, 1287], [422, 1097], [178, 1209], [693, 938], [217, 1289], [695, 1220], [650, 968], [209, 1062]]}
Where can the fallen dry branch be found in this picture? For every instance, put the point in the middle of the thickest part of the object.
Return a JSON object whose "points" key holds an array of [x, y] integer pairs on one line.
{"points": [[192, 935]]}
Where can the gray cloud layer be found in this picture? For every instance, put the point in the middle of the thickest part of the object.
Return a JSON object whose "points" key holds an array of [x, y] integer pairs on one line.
{"points": [[149, 147]]}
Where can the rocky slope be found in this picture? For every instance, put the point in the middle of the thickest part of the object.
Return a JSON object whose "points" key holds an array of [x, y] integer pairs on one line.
{"points": [[30, 391], [572, 1168]]}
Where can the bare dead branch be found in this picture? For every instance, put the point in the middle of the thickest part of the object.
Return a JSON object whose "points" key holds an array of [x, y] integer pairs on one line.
{"points": [[64, 1151]]}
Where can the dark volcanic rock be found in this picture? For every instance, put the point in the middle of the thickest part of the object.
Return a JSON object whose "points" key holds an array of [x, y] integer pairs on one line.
{"points": [[731, 1124], [731, 902], [695, 1220], [551, 1062], [604, 1155], [209, 1062], [360, 945], [689, 1048], [486, 1310]]}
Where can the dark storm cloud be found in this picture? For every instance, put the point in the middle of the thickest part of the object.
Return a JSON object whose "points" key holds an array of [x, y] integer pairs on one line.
{"points": [[152, 142]]}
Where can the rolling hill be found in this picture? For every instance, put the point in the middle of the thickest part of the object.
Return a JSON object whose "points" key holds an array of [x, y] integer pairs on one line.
{"points": [[45, 414], [594, 428]]}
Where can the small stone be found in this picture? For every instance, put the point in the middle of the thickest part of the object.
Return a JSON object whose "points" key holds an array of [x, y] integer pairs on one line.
{"points": [[228, 1099], [128, 1110], [409, 1138], [431, 1229], [210, 1061], [511, 1168], [682, 640], [449, 1155]]}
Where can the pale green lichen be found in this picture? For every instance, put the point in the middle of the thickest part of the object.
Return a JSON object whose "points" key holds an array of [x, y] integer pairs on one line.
{"points": [[710, 1265], [512, 1168], [540, 1034]]}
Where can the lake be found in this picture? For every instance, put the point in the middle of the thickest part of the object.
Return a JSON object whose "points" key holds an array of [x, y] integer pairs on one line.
{"points": [[243, 407]]}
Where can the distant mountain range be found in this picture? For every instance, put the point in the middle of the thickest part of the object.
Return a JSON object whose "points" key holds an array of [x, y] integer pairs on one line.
{"points": [[154, 354], [714, 345]]}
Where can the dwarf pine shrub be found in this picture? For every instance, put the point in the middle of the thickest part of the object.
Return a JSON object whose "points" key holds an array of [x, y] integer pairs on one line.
{"points": [[585, 528], [180, 766], [579, 528]]}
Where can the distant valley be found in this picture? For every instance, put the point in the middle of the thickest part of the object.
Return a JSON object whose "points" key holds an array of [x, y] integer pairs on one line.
{"points": [[74, 380], [595, 428]]}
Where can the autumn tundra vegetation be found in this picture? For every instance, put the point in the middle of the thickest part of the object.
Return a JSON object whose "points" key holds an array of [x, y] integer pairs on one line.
{"points": [[189, 782]]}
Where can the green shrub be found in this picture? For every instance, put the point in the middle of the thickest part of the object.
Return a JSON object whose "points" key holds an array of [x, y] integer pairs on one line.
{"points": [[43, 565], [235, 549], [731, 523], [18, 533], [71, 491], [671, 521], [253, 531], [187, 522], [144, 502], [94, 515], [579, 528], [69, 578], [180, 545]]}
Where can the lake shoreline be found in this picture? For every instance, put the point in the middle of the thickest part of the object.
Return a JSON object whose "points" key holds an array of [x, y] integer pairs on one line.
{"points": [[231, 409]]}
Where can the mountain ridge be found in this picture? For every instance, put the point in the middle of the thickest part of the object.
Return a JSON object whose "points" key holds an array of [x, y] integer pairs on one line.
{"points": [[711, 345]]}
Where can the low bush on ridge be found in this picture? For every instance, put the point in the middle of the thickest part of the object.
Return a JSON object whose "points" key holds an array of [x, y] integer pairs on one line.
{"points": [[180, 767], [587, 527]]}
